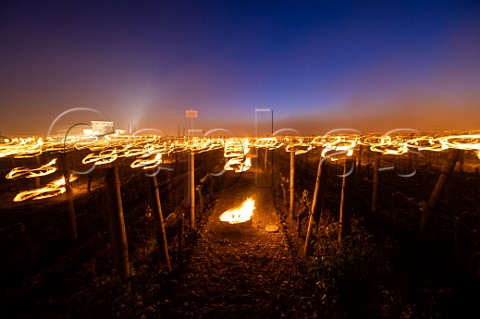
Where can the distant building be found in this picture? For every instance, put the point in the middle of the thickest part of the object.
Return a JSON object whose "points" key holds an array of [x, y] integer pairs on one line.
{"points": [[120, 132], [99, 128]]}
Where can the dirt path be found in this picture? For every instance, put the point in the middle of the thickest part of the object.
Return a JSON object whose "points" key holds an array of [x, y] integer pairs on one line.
{"points": [[243, 271]]}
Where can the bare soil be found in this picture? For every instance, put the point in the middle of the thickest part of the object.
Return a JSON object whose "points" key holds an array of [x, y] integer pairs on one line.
{"points": [[241, 270]]}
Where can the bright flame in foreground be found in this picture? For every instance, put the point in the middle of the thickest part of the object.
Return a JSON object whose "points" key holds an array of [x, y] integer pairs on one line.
{"points": [[240, 213]]}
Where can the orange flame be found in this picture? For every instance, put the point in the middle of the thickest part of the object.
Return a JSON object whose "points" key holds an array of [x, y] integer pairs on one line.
{"points": [[52, 189], [239, 214], [43, 170]]}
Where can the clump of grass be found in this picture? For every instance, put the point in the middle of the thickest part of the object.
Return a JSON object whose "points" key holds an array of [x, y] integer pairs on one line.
{"points": [[352, 277]]}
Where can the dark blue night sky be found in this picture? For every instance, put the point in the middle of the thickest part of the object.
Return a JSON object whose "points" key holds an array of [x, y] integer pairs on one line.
{"points": [[370, 65]]}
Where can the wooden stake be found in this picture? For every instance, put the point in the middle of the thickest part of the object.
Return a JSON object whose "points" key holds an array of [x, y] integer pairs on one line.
{"points": [[158, 215], [200, 197], [265, 161], [292, 183], [359, 157], [69, 194], [345, 200], [306, 248], [284, 190], [323, 192], [169, 186], [89, 184], [192, 190], [118, 234], [37, 179], [376, 166], [461, 161], [410, 161], [447, 169]]}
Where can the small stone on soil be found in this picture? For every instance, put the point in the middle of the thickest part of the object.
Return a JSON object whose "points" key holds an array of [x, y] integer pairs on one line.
{"points": [[271, 228]]}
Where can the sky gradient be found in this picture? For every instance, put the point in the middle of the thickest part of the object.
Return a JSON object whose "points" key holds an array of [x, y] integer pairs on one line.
{"points": [[318, 65]]}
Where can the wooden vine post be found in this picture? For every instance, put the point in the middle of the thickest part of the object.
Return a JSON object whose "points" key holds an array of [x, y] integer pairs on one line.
{"points": [[376, 166], [265, 161], [69, 194], [447, 170], [346, 198], [169, 187], [292, 183], [118, 234], [192, 189], [159, 221], [410, 161], [306, 248], [321, 203], [37, 179], [359, 157]]}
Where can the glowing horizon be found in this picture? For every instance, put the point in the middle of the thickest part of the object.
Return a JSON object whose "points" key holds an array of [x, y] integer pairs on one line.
{"points": [[318, 66]]}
